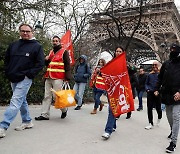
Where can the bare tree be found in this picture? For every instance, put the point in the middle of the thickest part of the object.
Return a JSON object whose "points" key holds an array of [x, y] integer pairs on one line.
{"points": [[117, 26]]}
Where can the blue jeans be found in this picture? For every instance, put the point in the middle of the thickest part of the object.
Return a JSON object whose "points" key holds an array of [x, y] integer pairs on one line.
{"points": [[97, 95], [18, 102], [79, 88], [163, 107], [140, 95], [111, 122]]}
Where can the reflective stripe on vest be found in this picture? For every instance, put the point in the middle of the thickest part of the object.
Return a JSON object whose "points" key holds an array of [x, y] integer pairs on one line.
{"points": [[55, 70], [98, 80], [100, 83], [56, 63], [98, 77]]}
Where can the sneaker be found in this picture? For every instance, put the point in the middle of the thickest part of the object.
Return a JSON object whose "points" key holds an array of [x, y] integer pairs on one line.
{"points": [[106, 136], [24, 126], [77, 108], [63, 115], [41, 118], [150, 126], [158, 122], [114, 129], [169, 136], [2, 133], [139, 109], [171, 148]]}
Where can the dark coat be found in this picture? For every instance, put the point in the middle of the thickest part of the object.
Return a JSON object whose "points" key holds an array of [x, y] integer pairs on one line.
{"points": [[169, 81], [82, 71], [133, 79], [151, 81], [23, 58], [141, 82]]}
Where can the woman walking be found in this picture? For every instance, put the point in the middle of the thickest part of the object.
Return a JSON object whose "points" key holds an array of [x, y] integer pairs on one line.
{"points": [[98, 85]]}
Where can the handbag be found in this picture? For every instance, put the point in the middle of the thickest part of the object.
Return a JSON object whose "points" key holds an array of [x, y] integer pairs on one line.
{"points": [[64, 97], [104, 98]]}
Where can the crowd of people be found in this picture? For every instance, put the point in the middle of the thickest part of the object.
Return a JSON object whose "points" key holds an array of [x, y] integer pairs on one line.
{"points": [[25, 58]]}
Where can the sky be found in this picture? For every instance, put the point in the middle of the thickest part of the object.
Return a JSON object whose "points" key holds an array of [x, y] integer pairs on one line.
{"points": [[177, 2]]}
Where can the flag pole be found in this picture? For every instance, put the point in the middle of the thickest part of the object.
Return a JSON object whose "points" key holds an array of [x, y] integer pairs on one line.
{"points": [[99, 54]]}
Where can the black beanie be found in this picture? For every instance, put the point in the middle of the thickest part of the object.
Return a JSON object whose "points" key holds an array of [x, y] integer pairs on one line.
{"points": [[174, 52]]}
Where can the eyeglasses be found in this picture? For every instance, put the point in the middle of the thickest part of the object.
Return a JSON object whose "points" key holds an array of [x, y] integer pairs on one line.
{"points": [[25, 31]]}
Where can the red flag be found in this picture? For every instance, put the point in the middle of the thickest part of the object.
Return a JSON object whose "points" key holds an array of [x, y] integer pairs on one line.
{"points": [[66, 43], [118, 85]]}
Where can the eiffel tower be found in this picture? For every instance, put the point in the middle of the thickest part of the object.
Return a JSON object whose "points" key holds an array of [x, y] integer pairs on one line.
{"points": [[159, 27]]}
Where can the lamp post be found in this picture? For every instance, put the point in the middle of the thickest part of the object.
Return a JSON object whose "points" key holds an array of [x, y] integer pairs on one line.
{"points": [[164, 51], [38, 28]]}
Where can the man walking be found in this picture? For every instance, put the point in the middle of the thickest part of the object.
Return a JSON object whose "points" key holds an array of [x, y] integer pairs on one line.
{"points": [[169, 86], [152, 99], [23, 60], [58, 71]]}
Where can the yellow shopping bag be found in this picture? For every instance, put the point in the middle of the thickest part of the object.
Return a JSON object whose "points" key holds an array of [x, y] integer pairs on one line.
{"points": [[65, 97]]}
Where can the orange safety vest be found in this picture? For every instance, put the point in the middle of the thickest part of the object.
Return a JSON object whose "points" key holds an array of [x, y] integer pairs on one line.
{"points": [[55, 69], [99, 83]]}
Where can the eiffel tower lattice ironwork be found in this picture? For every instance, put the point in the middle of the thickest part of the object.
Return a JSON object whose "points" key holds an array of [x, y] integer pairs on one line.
{"points": [[160, 25]]}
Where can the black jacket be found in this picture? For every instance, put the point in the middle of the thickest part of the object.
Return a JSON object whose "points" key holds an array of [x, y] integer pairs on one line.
{"points": [[141, 82], [23, 58], [133, 80], [169, 81]]}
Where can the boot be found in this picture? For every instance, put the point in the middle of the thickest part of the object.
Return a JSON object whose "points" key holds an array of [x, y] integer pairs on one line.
{"points": [[94, 111], [128, 115], [101, 107]]}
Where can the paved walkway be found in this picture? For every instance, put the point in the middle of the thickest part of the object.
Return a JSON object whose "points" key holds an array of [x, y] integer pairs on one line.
{"points": [[80, 133]]}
